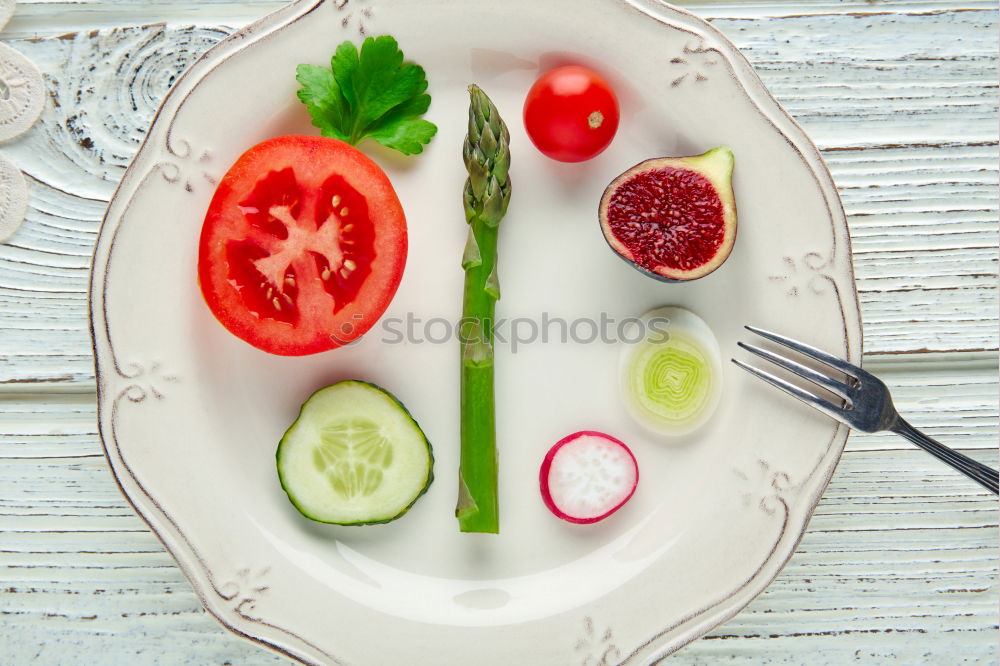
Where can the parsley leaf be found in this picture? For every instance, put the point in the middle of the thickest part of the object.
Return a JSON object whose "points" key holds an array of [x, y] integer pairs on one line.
{"points": [[369, 94]]}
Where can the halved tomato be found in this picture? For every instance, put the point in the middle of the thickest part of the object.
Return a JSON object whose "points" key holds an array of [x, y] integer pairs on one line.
{"points": [[303, 245]]}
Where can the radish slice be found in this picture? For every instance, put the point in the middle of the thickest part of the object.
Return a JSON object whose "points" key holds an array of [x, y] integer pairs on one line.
{"points": [[587, 476]]}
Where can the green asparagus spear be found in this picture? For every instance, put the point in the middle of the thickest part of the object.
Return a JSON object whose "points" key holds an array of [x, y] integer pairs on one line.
{"points": [[487, 193]]}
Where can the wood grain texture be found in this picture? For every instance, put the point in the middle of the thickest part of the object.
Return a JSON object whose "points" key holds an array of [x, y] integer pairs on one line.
{"points": [[899, 564], [908, 130], [104, 88]]}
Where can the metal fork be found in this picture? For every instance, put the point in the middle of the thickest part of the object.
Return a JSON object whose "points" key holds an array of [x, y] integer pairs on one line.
{"points": [[866, 403]]}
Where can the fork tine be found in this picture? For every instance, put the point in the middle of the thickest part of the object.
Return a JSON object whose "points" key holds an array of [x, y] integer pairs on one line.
{"points": [[822, 405], [828, 383], [808, 350]]}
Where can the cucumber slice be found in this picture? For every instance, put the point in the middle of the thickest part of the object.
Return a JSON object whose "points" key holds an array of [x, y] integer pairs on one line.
{"points": [[354, 456]]}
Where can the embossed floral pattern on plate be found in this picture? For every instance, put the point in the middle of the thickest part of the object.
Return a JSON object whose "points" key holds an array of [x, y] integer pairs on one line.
{"points": [[190, 415]]}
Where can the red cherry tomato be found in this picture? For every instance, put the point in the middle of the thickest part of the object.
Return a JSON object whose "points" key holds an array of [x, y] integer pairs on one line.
{"points": [[571, 113], [303, 245]]}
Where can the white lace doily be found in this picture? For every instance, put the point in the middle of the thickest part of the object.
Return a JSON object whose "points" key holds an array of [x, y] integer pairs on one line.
{"points": [[22, 96], [22, 93], [13, 198]]}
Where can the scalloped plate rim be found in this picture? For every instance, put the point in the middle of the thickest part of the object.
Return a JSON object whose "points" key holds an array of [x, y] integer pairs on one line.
{"points": [[172, 536]]}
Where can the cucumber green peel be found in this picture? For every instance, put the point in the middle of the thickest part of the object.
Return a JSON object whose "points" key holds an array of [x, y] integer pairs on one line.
{"points": [[486, 153], [354, 456], [672, 382]]}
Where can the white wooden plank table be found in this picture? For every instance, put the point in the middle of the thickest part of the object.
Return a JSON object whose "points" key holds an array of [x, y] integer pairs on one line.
{"points": [[899, 564]]}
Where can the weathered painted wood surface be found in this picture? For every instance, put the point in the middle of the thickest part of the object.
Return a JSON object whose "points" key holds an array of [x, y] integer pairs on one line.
{"points": [[900, 562]]}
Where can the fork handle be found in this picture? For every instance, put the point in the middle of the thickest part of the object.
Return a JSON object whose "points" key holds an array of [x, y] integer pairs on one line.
{"points": [[977, 471]]}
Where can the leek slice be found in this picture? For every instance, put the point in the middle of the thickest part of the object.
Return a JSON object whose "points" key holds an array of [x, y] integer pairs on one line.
{"points": [[672, 378]]}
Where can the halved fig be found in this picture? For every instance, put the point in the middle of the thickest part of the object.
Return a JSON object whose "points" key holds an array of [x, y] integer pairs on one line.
{"points": [[673, 218]]}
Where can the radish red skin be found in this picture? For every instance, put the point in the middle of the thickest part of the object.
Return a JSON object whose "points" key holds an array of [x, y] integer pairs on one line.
{"points": [[543, 477]]}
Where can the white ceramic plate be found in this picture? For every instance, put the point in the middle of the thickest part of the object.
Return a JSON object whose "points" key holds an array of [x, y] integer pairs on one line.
{"points": [[190, 415]]}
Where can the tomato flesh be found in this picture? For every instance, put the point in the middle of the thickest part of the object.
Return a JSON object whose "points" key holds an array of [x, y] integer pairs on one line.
{"points": [[303, 245], [571, 113]]}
